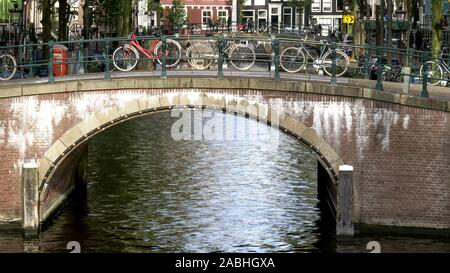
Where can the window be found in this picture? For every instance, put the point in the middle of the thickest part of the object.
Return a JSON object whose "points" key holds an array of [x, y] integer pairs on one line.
{"points": [[326, 25], [315, 6], [339, 5], [327, 6], [248, 3], [247, 14], [260, 2], [262, 14], [287, 17], [222, 16], [205, 15]]}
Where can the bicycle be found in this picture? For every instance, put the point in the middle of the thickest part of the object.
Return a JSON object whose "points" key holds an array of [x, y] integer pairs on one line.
{"points": [[201, 54], [435, 70], [126, 57], [293, 59]]}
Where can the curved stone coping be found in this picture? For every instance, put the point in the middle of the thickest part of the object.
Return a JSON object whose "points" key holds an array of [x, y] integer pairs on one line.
{"points": [[260, 84], [240, 106]]}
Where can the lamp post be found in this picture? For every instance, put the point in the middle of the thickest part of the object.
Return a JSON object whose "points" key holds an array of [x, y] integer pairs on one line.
{"points": [[346, 12]]}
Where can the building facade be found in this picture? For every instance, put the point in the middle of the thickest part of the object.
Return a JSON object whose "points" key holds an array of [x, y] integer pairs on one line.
{"points": [[327, 13], [199, 11]]}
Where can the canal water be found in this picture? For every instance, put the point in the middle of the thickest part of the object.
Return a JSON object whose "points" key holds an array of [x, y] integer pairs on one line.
{"points": [[251, 190]]}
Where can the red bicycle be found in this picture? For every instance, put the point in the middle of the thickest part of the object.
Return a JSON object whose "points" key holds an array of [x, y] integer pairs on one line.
{"points": [[126, 57]]}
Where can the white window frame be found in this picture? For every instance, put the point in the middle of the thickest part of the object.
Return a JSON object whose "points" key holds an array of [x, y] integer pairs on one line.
{"points": [[249, 10], [331, 6], [274, 7], [262, 17], [291, 14], [318, 6], [219, 17], [205, 26]]}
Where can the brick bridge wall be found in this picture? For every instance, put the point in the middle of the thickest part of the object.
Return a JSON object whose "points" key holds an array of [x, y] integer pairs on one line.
{"points": [[398, 145]]}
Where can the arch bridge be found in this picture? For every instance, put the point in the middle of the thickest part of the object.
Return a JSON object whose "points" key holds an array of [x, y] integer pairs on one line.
{"points": [[398, 145]]}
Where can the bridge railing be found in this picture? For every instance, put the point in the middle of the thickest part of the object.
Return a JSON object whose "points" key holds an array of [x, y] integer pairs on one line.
{"points": [[222, 55]]}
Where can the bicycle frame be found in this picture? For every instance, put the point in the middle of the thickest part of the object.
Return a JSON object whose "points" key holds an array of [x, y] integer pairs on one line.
{"points": [[305, 50], [444, 65], [148, 53]]}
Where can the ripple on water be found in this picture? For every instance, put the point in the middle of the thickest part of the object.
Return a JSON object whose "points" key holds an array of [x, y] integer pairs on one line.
{"points": [[149, 193]]}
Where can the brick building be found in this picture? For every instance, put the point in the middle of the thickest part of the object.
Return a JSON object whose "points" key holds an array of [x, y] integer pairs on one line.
{"points": [[198, 11]]}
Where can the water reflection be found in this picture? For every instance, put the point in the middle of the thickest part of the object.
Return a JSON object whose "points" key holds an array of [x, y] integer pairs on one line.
{"points": [[149, 193]]}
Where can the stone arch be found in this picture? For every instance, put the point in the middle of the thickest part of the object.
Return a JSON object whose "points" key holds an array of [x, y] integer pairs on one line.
{"points": [[79, 134]]}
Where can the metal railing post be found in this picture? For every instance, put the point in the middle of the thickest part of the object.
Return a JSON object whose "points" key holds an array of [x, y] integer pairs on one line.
{"points": [[31, 60], [81, 69], [366, 62], [406, 71], [221, 58], [333, 63], [379, 85], [107, 63], [163, 57], [51, 76], [424, 92], [276, 58]]}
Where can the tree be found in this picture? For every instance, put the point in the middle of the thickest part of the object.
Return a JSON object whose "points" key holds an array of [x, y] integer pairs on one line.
{"points": [[241, 10], [155, 5], [125, 18], [63, 19], [437, 26], [300, 6], [177, 15], [87, 19], [360, 9], [389, 29], [46, 21]]}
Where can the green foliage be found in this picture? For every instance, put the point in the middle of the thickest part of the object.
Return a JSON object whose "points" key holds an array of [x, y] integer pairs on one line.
{"points": [[177, 15], [155, 5], [241, 8]]}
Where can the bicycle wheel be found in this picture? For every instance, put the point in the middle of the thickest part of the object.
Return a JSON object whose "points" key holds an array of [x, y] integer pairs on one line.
{"points": [[125, 58], [292, 59], [8, 67], [200, 55], [342, 63], [242, 57], [434, 72], [173, 52]]}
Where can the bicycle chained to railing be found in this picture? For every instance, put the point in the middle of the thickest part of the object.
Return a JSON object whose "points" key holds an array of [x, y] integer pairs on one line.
{"points": [[293, 59], [202, 54], [126, 57], [436, 69], [15, 59]]}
